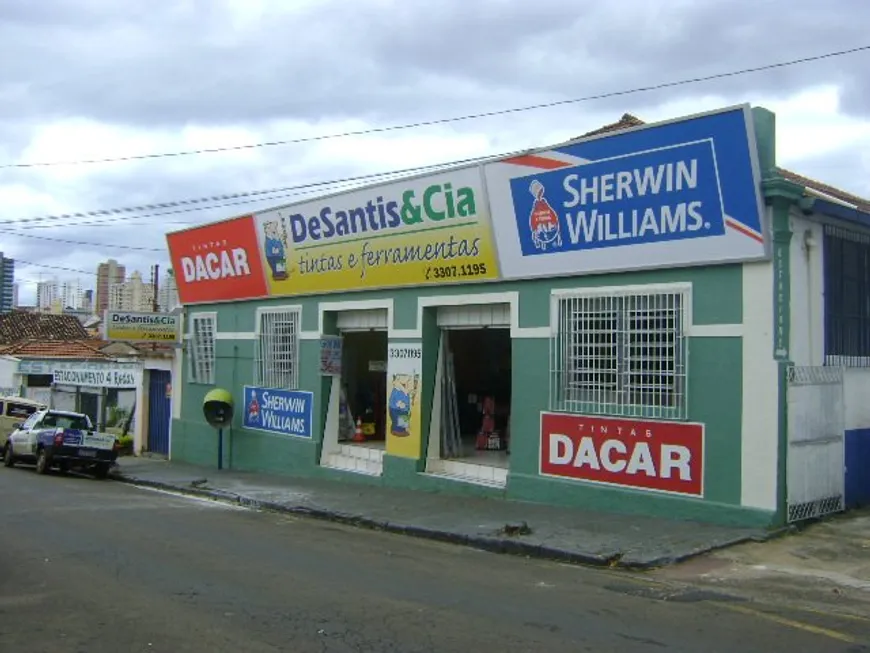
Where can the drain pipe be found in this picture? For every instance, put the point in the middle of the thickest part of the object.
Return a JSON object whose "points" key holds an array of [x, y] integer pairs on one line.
{"points": [[809, 242]]}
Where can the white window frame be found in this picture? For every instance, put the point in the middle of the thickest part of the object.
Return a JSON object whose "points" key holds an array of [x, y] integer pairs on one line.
{"points": [[600, 338], [201, 348], [276, 362]]}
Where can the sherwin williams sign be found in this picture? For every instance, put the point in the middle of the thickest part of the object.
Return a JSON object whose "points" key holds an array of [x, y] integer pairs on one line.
{"points": [[142, 327], [662, 456], [217, 262], [276, 411], [427, 230], [677, 193]]}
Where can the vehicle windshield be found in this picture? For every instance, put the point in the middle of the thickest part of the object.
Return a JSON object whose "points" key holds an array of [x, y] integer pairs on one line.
{"points": [[53, 420]]}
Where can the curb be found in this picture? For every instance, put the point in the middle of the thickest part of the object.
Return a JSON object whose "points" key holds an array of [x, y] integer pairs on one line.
{"points": [[490, 544]]}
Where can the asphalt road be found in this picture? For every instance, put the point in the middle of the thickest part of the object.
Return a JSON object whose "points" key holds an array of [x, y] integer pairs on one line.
{"points": [[101, 567]]}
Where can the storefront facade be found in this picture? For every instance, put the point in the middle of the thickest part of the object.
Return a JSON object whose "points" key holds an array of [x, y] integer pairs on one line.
{"points": [[601, 324], [123, 394]]}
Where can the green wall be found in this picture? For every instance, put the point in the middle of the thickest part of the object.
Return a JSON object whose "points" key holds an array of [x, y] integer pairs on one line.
{"points": [[714, 387]]}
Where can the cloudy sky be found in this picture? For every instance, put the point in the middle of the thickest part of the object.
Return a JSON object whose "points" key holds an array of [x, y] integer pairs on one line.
{"points": [[91, 79]]}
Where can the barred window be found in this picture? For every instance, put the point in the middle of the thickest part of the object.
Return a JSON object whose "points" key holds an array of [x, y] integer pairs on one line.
{"points": [[276, 360], [620, 355], [847, 297], [201, 349]]}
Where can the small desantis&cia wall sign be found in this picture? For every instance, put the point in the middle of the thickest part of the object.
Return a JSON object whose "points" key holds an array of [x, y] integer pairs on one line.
{"points": [[644, 455]]}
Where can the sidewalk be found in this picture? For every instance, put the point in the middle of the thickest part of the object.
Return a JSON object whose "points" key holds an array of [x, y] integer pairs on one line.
{"points": [[573, 535], [822, 567]]}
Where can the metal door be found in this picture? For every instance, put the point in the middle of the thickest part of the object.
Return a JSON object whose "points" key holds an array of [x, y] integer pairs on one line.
{"points": [[159, 411], [816, 442]]}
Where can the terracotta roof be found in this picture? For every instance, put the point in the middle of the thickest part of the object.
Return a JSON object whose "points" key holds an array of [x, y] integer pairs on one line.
{"points": [[628, 120], [78, 349], [25, 325]]}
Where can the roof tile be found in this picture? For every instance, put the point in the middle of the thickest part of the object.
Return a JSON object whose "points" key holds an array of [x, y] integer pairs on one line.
{"points": [[25, 325], [77, 349]]}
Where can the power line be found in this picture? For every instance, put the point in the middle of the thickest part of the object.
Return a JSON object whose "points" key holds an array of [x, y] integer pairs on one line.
{"points": [[257, 194], [327, 186], [84, 242], [318, 186], [126, 218], [52, 267], [444, 121]]}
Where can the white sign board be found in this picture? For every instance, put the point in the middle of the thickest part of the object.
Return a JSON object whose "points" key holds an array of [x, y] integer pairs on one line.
{"points": [[110, 378]]}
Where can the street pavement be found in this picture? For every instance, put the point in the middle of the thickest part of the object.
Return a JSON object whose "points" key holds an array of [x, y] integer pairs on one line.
{"points": [[101, 567]]}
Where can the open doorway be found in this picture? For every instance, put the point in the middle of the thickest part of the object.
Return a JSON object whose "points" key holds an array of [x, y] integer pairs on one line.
{"points": [[364, 388], [477, 394]]}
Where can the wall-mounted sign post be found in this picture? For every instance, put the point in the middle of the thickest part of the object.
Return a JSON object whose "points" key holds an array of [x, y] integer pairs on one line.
{"points": [[128, 326]]}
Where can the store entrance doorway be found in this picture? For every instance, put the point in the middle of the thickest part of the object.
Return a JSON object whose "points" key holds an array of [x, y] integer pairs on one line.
{"points": [[476, 396], [364, 388]]}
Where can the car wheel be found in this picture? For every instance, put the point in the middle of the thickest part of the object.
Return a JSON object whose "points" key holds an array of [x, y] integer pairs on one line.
{"points": [[8, 458], [42, 462], [101, 471]]}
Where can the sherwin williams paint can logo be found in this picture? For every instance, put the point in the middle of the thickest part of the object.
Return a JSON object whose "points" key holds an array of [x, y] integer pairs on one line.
{"points": [[429, 230], [544, 226]]}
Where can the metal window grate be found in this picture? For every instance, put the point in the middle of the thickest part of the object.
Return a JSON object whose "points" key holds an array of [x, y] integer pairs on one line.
{"points": [[202, 355], [276, 360], [620, 355], [847, 297]]}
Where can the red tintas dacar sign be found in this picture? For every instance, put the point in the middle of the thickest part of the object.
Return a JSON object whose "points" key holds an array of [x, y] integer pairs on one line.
{"points": [[662, 456], [217, 262]]}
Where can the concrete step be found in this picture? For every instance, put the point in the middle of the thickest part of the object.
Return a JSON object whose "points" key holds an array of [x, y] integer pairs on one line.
{"points": [[468, 472]]}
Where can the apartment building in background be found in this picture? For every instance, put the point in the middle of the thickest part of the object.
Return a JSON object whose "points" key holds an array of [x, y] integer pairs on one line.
{"points": [[108, 273], [131, 295], [167, 295], [7, 279], [47, 294], [71, 294]]}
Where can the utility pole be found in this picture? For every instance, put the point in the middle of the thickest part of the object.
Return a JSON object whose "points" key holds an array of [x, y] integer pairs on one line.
{"points": [[155, 304]]}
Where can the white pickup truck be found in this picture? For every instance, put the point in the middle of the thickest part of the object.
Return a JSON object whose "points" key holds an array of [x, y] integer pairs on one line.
{"points": [[62, 439]]}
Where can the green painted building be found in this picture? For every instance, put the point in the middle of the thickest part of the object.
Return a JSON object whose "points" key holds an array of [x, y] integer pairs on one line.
{"points": [[604, 323]]}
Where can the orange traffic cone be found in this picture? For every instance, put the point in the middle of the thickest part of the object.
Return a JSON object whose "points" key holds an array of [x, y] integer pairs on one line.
{"points": [[358, 434]]}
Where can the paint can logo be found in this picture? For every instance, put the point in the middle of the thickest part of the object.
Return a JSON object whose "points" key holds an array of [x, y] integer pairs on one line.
{"points": [[544, 225], [253, 408]]}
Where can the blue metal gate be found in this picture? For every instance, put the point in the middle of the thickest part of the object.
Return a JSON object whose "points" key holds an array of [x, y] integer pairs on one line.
{"points": [[159, 411]]}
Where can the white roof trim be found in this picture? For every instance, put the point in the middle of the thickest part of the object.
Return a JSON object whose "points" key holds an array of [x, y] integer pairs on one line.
{"points": [[830, 198]]}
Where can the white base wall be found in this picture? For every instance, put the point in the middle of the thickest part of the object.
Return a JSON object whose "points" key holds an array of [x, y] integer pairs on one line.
{"points": [[760, 419]]}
